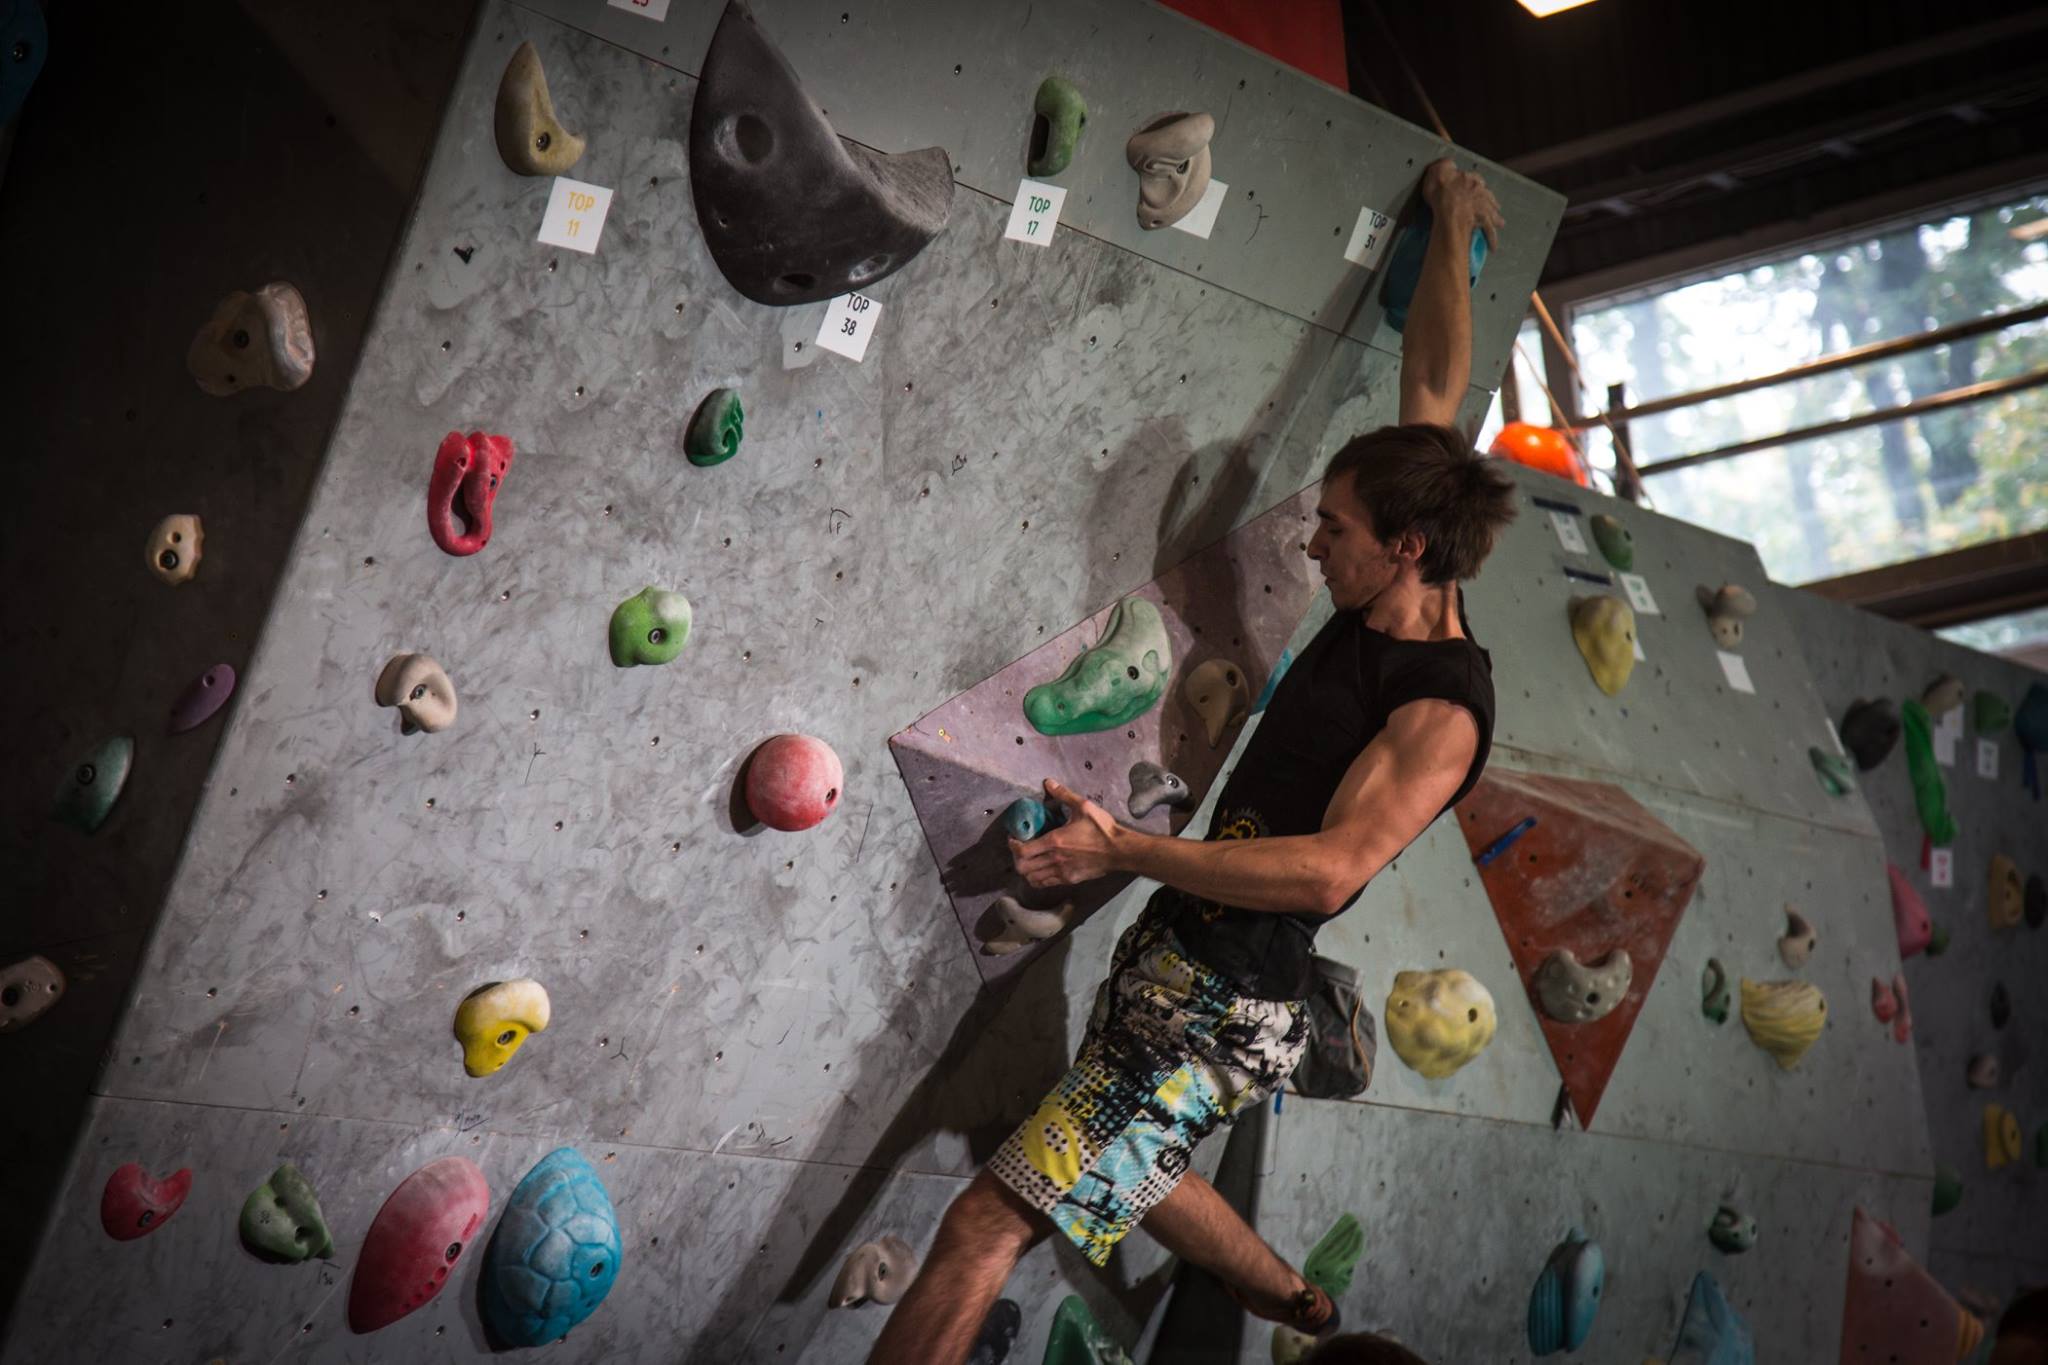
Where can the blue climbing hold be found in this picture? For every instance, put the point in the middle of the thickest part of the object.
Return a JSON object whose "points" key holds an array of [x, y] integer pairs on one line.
{"points": [[1404, 270], [1026, 818], [1711, 1333], [555, 1253], [1273, 681], [1566, 1296]]}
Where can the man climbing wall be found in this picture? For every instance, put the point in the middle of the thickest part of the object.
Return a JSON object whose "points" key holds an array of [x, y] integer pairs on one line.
{"points": [[1381, 724]]}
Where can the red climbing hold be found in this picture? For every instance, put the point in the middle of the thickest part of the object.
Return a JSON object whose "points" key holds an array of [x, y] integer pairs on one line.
{"points": [[468, 471], [1894, 1310], [414, 1241], [793, 782], [1909, 914], [135, 1204]]}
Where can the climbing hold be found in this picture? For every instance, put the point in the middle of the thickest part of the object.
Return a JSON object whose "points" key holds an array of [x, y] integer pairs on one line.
{"points": [[2001, 1136], [554, 1254], [793, 782], [2001, 1005], [1438, 1021], [1990, 713], [877, 1272], [1893, 1309], [1604, 629], [1930, 794], [791, 212], [1883, 1003], [1152, 785], [135, 1203], [207, 694], [468, 471], [1983, 1072], [1617, 546], [530, 138], [1552, 449], [1077, 1339], [173, 549], [27, 989], [1937, 940], [1171, 156], [1869, 729], [1566, 1296], [1273, 680], [1727, 607], [1836, 777], [1111, 683], [1902, 1022], [1943, 695], [1216, 690], [494, 1019], [1711, 1332], [24, 38], [1058, 117], [87, 793], [261, 338], [1784, 1018], [1732, 1230], [1714, 991], [1291, 1347], [2034, 901], [1524, 443], [716, 429], [1909, 914], [415, 1240], [1027, 817], [1948, 1189], [1798, 941], [2006, 903], [998, 1335], [1023, 926], [650, 627], [1575, 994], [1330, 1263], [421, 691], [281, 1218]]}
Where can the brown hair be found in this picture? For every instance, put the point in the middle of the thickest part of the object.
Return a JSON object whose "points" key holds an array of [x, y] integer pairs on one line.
{"points": [[1427, 479], [1363, 1348]]}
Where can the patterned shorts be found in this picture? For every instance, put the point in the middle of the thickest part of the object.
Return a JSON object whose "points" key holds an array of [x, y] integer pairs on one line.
{"points": [[1171, 1052]]}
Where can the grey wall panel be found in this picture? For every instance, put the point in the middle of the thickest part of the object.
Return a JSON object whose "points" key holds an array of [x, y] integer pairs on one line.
{"points": [[1300, 157], [1992, 1240]]}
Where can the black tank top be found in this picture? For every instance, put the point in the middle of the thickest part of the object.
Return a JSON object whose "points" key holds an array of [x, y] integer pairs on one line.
{"points": [[1329, 706]]}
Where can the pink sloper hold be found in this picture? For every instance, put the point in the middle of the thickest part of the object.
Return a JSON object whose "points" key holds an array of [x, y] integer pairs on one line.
{"points": [[793, 782], [135, 1203], [1894, 1310], [468, 471], [207, 694], [415, 1240], [1902, 1024], [1909, 914], [1883, 1003]]}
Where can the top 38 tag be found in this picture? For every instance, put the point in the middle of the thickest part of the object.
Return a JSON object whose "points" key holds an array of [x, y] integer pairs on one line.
{"points": [[849, 324]]}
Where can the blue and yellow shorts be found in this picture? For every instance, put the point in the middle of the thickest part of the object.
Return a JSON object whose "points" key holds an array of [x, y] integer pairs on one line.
{"points": [[1171, 1052]]}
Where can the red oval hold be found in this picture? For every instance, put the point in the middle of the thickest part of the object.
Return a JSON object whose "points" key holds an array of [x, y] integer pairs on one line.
{"points": [[793, 782], [135, 1203], [415, 1240], [468, 471]]}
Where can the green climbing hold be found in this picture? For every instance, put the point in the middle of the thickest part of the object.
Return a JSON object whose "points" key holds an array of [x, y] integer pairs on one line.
{"points": [[1833, 770], [650, 627], [1937, 941], [1329, 1266], [1058, 114], [1077, 1339], [281, 1218], [1990, 713], [1930, 795], [1616, 544], [1714, 991], [90, 789], [1948, 1189], [1113, 683], [715, 430]]}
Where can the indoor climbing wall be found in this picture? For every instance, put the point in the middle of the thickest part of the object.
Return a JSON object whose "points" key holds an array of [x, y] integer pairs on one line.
{"points": [[1989, 1242], [771, 1046]]}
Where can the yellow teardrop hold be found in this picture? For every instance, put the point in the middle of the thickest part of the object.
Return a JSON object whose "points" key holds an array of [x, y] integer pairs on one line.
{"points": [[1784, 1018]]}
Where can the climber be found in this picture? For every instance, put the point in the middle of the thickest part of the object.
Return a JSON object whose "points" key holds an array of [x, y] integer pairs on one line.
{"points": [[1381, 725]]}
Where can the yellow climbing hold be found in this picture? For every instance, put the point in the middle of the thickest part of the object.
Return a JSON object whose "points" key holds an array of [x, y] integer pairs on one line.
{"points": [[1783, 1017], [492, 1021], [1605, 630], [2001, 1136], [1438, 1021]]}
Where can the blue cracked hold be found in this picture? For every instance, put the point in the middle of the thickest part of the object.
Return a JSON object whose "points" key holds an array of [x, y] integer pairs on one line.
{"points": [[555, 1252]]}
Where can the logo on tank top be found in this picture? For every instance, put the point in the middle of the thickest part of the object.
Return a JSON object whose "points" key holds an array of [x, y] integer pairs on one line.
{"points": [[1239, 822]]}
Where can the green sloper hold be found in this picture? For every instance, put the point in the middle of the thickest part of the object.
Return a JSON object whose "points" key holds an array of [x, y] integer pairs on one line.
{"points": [[1714, 991], [715, 429], [281, 1218], [1058, 114], [650, 627], [1077, 1339], [1930, 795], [1113, 683], [1990, 713], [1836, 777], [1617, 546], [1948, 1189], [1329, 1266], [90, 789]]}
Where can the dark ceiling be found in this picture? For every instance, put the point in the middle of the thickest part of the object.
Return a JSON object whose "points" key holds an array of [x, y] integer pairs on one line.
{"points": [[1689, 133]]}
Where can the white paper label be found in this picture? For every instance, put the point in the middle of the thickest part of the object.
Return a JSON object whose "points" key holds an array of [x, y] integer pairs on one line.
{"points": [[1369, 238], [656, 10], [1941, 867], [849, 321], [1835, 738], [575, 216], [1036, 212], [1638, 589], [1987, 758], [1201, 219], [1736, 671], [1567, 527], [1637, 644], [1945, 746]]}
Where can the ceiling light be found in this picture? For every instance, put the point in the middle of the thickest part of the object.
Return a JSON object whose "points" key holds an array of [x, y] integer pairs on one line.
{"points": [[1543, 9]]}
